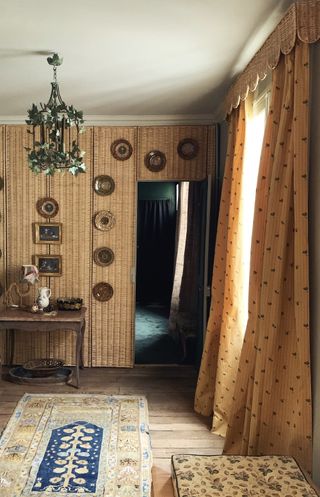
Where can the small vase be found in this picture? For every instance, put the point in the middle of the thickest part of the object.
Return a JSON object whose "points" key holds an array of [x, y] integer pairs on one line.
{"points": [[43, 300]]}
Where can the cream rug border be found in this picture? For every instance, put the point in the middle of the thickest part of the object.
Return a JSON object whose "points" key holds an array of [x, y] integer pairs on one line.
{"points": [[146, 466]]}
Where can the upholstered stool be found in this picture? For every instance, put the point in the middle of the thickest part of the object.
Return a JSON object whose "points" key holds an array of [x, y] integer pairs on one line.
{"points": [[238, 476]]}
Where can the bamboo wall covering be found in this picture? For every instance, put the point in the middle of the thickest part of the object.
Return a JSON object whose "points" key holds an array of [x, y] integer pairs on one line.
{"points": [[23, 189], [166, 140], [112, 332], [109, 337], [74, 196], [211, 151], [2, 234]]}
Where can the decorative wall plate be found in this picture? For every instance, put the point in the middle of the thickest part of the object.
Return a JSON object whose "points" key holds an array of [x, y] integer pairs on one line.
{"points": [[102, 292], [155, 161], [103, 256], [121, 149], [104, 185], [188, 149], [47, 207], [104, 220]]}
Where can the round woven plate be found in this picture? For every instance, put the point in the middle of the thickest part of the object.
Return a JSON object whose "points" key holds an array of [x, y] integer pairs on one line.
{"points": [[103, 256], [121, 149], [104, 220], [102, 292], [47, 207], [155, 161], [104, 185], [188, 149]]}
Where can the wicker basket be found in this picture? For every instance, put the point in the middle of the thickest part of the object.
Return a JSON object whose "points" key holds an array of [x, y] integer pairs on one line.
{"points": [[43, 367], [69, 304]]}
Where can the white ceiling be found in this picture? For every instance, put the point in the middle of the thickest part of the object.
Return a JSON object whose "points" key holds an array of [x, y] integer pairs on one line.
{"points": [[129, 58]]}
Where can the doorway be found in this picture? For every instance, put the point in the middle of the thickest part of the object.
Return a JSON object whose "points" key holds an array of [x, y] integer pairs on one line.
{"points": [[169, 275], [156, 229]]}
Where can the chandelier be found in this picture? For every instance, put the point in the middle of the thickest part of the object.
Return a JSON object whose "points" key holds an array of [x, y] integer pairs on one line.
{"points": [[51, 123]]}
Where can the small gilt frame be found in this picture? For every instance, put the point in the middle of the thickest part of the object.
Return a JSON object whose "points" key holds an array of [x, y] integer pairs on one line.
{"points": [[48, 265], [49, 233]]}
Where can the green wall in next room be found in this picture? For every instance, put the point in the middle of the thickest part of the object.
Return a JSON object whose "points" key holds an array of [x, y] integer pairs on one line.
{"points": [[159, 190]]}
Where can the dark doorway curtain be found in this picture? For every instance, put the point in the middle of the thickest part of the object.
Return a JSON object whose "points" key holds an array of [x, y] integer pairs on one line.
{"points": [[155, 252]]}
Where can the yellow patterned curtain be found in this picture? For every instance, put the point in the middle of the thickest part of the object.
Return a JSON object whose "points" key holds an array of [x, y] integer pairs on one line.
{"points": [[271, 404], [227, 319]]}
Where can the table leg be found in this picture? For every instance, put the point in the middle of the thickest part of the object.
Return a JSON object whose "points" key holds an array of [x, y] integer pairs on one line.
{"points": [[11, 348], [78, 354], [81, 348]]}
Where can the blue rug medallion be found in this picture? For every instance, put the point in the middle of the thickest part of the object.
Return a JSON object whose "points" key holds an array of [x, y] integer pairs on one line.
{"points": [[71, 461]]}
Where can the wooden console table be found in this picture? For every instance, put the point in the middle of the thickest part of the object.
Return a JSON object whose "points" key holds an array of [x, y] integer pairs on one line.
{"points": [[17, 319]]}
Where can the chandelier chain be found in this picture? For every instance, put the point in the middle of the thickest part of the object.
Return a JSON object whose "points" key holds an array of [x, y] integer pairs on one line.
{"points": [[55, 74]]}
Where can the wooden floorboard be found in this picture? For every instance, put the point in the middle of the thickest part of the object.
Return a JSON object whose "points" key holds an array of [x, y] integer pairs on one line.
{"points": [[174, 427]]}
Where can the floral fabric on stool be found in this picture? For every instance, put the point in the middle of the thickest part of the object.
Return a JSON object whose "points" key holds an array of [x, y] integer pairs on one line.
{"points": [[238, 476]]}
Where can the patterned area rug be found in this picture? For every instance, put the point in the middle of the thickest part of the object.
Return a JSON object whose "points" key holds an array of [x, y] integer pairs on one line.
{"points": [[72, 445]]}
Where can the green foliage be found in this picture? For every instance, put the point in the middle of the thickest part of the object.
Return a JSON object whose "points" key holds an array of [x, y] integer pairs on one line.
{"points": [[45, 158], [53, 116], [49, 156]]}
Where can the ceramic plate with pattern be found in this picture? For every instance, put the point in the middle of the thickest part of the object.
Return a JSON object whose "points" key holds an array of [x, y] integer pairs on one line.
{"points": [[47, 207], [155, 161], [104, 220], [121, 149], [102, 291], [104, 185], [188, 149], [103, 256]]}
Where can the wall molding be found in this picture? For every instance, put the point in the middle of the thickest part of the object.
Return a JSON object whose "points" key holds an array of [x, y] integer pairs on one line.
{"points": [[138, 120]]}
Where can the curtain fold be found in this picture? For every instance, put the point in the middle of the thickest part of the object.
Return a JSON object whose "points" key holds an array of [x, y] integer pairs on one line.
{"points": [[271, 403], [189, 292], [227, 321], [156, 235], [180, 246], [185, 294]]}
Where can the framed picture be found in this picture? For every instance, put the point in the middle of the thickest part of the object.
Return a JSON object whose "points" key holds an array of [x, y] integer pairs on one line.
{"points": [[48, 265], [47, 233]]}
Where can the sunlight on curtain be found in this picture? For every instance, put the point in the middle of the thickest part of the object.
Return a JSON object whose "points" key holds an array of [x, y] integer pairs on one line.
{"points": [[256, 113]]}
